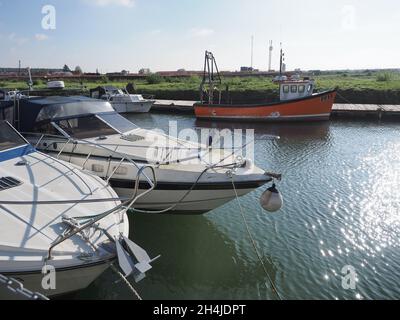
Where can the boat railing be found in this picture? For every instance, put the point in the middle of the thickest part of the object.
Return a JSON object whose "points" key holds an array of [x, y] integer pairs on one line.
{"points": [[94, 145], [127, 205]]}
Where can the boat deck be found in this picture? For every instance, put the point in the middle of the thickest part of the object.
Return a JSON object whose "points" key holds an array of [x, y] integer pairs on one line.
{"points": [[339, 110]]}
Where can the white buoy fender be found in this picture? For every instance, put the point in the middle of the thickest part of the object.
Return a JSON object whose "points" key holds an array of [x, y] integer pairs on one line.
{"points": [[271, 200]]}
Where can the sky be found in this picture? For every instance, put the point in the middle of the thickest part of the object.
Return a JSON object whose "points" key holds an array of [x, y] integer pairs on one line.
{"points": [[112, 35]]}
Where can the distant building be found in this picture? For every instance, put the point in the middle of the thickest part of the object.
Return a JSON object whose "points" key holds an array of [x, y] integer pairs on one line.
{"points": [[144, 71], [246, 69], [125, 72]]}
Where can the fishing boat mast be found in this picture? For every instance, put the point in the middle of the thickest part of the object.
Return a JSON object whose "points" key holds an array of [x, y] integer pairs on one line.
{"points": [[282, 59], [211, 79]]}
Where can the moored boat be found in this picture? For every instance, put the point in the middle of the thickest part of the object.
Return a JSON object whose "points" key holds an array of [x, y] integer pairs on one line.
{"points": [[298, 102], [57, 220], [122, 101], [191, 178]]}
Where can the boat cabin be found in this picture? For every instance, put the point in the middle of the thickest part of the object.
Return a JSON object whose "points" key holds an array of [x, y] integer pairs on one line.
{"points": [[74, 116], [104, 92], [292, 89]]}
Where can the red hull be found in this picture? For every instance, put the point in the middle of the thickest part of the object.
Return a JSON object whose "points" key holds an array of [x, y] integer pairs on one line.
{"points": [[315, 107]]}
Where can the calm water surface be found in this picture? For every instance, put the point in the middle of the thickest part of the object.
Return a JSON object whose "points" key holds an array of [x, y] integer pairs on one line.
{"points": [[342, 207]]}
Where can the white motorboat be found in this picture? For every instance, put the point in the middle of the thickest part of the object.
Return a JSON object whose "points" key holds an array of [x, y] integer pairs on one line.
{"points": [[122, 101], [58, 220], [10, 95], [55, 85], [189, 178]]}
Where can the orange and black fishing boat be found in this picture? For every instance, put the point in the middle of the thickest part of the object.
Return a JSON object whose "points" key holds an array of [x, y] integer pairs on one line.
{"points": [[298, 102]]}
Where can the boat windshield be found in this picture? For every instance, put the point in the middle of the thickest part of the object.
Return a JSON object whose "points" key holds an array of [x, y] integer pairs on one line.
{"points": [[118, 122], [9, 138], [95, 126]]}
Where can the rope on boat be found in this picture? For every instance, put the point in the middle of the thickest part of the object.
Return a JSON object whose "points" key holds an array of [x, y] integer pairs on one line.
{"points": [[274, 289], [348, 101], [128, 284]]}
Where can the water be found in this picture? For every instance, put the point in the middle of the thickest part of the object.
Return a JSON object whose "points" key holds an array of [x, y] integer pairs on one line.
{"points": [[342, 207]]}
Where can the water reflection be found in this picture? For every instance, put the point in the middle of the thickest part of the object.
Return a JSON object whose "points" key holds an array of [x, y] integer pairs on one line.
{"points": [[341, 182], [287, 131]]}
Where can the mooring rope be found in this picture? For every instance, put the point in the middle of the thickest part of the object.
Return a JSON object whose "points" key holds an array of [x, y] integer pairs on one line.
{"points": [[274, 289], [349, 102], [128, 284]]}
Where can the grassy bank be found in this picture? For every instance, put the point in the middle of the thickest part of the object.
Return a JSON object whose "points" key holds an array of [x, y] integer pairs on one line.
{"points": [[365, 87]]}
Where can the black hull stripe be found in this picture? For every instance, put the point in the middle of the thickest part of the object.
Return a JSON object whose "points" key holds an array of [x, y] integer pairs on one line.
{"points": [[161, 186], [81, 266]]}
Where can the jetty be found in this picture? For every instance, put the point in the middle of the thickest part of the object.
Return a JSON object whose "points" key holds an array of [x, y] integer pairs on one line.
{"points": [[340, 110]]}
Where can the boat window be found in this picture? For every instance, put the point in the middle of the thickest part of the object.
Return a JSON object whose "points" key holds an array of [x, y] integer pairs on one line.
{"points": [[7, 113], [285, 89], [9, 138], [293, 89], [118, 122], [309, 88], [302, 88], [85, 127], [46, 128]]}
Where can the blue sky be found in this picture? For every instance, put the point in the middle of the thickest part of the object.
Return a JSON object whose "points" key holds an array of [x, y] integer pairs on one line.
{"points": [[170, 34]]}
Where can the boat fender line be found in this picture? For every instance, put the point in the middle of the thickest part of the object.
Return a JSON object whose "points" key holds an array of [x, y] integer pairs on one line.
{"points": [[233, 167], [253, 242]]}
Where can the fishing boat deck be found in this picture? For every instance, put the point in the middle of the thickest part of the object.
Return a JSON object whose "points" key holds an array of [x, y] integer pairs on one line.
{"points": [[339, 110]]}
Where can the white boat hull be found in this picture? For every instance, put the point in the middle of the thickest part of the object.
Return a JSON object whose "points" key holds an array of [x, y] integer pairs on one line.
{"points": [[197, 202], [133, 107], [68, 280]]}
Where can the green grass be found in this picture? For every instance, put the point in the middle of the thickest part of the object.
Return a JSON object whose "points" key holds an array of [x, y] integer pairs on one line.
{"points": [[345, 81]]}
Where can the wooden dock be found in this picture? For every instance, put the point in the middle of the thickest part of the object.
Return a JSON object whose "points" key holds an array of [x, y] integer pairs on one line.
{"points": [[365, 110], [354, 111]]}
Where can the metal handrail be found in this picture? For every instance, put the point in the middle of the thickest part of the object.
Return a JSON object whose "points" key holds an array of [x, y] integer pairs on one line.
{"points": [[93, 144], [125, 206]]}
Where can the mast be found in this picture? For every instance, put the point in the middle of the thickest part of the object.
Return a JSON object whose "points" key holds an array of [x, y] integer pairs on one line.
{"points": [[211, 79], [252, 51], [281, 61], [271, 48]]}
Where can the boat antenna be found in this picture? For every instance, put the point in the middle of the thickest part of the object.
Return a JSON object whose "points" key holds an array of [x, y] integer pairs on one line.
{"points": [[252, 52], [271, 48], [30, 82], [280, 62]]}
